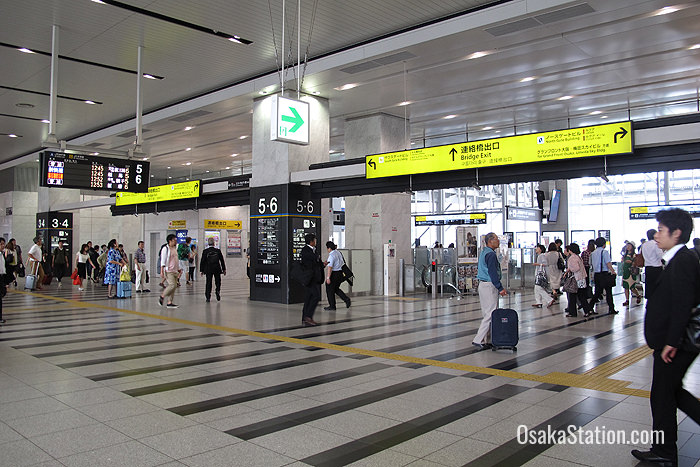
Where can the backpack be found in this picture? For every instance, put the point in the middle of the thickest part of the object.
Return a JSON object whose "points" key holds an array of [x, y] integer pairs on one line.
{"points": [[213, 259], [183, 252], [160, 250]]}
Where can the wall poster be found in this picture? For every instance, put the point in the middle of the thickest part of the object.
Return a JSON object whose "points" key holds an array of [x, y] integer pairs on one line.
{"points": [[233, 244]]}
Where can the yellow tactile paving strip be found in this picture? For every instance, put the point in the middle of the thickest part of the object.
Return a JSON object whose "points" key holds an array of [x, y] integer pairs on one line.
{"points": [[588, 380], [618, 364]]}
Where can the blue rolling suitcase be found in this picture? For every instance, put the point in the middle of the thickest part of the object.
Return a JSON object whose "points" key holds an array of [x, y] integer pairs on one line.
{"points": [[504, 329], [123, 289]]}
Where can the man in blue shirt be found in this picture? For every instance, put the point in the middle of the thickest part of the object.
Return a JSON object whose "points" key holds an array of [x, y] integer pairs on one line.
{"points": [[602, 272], [490, 287]]}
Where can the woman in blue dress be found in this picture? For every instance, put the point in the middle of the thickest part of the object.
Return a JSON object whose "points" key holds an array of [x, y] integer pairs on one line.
{"points": [[113, 267]]}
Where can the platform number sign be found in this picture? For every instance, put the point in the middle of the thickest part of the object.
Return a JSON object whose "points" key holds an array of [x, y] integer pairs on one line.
{"points": [[55, 220]]}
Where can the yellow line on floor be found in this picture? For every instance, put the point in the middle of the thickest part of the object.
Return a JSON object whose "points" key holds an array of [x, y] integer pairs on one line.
{"points": [[618, 364], [564, 379]]}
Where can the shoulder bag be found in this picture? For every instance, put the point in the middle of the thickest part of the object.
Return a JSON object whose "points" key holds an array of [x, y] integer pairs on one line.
{"points": [[570, 284], [691, 339], [347, 273]]}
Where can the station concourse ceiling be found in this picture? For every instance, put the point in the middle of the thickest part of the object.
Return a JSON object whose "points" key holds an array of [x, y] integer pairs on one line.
{"points": [[453, 67]]}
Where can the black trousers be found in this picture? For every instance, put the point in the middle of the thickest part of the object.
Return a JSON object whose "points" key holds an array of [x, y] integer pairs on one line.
{"points": [[334, 288], [598, 278], [59, 270], [582, 297], [207, 288], [313, 295], [667, 395], [651, 278]]}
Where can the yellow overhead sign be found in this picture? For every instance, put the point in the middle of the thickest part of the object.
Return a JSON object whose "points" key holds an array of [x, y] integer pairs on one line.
{"points": [[177, 224], [599, 140], [218, 224], [160, 193]]}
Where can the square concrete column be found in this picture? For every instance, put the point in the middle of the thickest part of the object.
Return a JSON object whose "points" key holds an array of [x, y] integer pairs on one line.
{"points": [[373, 220]]}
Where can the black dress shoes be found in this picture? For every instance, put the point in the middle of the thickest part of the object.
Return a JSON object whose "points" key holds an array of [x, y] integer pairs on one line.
{"points": [[347, 304], [648, 456], [308, 322], [329, 308]]}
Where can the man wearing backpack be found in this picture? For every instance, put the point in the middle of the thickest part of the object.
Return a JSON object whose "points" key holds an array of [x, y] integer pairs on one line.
{"points": [[58, 262], [212, 264]]}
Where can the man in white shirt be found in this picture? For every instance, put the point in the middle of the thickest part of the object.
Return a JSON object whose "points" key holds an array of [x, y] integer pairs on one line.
{"points": [[35, 257], [334, 277], [652, 263]]}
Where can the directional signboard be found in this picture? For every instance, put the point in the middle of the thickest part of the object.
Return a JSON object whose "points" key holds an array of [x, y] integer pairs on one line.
{"points": [[649, 212], [160, 193], [222, 224], [599, 140], [452, 219], [289, 120]]}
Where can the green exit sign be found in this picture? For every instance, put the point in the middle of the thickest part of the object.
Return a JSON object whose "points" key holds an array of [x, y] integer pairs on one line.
{"points": [[289, 120]]}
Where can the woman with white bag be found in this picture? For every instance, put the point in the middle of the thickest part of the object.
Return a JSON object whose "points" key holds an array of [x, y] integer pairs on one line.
{"points": [[542, 292]]}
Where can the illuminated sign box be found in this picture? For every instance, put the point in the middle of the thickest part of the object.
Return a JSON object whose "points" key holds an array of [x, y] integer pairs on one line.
{"points": [[161, 193], [649, 212], [599, 140], [452, 219], [220, 224]]}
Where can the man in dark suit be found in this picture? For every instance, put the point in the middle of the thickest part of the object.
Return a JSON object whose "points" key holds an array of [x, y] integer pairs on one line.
{"points": [[313, 267], [667, 315], [212, 264]]}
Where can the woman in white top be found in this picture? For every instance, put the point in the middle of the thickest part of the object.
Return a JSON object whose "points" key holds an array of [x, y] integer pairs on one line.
{"points": [[576, 267], [81, 260], [553, 271], [542, 294]]}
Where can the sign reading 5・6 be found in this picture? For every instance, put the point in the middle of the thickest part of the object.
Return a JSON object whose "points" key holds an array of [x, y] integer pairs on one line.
{"points": [[289, 120]]}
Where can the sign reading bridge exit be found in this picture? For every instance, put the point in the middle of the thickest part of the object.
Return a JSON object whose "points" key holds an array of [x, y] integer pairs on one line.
{"points": [[289, 120]]}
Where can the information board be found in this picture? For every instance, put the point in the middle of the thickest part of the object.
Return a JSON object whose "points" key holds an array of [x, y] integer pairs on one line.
{"points": [[222, 224], [599, 140], [160, 193], [60, 170]]}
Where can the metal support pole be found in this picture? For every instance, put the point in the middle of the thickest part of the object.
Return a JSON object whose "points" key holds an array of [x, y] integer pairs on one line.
{"points": [[284, 46], [53, 100], [667, 189], [298, 49], [433, 280], [139, 103], [402, 269]]}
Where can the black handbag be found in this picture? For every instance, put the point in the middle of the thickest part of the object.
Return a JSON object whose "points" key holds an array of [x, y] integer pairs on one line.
{"points": [[347, 273], [691, 339], [20, 270], [570, 284]]}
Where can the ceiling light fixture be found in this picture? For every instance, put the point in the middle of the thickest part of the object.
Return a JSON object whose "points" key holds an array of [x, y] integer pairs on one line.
{"points": [[145, 159], [477, 55], [188, 149], [449, 117], [234, 155], [46, 121], [262, 92], [95, 154], [167, 167], [12, 135], [603, 116], [99, 1], [694, 47], [26, 50], [227, 168], [24, 105], [147, 76], [595, 112], [345, 87], [235, 39], [243, 137], [529, 78], [188, 128], [564, 98], [187, 163], [487, 128], [91, 102], [405, 103], [666, 10]]}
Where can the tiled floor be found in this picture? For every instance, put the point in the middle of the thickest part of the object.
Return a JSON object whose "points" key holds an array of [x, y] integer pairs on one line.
{"points": [[86, 385]]}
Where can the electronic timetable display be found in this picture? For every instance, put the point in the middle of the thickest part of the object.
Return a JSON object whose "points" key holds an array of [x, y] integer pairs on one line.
{"points": [[62, 170]]}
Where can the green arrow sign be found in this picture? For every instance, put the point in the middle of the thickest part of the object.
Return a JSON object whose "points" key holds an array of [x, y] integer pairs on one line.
{"points": [[296, 120]]}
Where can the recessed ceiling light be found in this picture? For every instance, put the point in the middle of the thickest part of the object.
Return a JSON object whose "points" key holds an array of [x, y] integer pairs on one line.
{"points": [[477, 55], [167, 167], [188, 149], [564, 98], [207, 171], [95, 154], [331, 151], [187, 163], [37, 160], [26, 50], [99, 1], [170, 177], [90, 102], [227, 168], [448, 117], [243, 137], [487, 128], [406, 103], [604, 116], [694, 47], [145, 159], [46, 121], [152, 176], [12, 135], [529, 78], [595, 112], [345, 87], [236, 39], [666, 10], [147, 76], [188, 128], [234, 154]]}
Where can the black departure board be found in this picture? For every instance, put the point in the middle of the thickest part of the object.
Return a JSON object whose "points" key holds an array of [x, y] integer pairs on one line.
{"points": [[62, 170], [269, 241]]}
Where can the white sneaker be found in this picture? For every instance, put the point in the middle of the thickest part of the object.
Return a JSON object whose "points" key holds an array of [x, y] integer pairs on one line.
{"points": [[60, 285], [81, 289]]}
